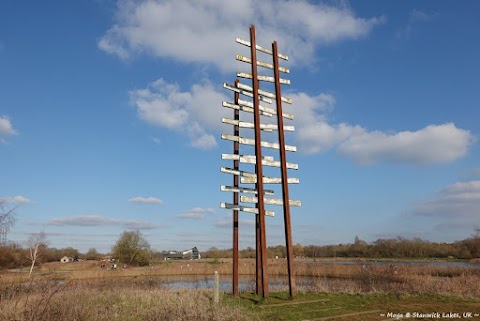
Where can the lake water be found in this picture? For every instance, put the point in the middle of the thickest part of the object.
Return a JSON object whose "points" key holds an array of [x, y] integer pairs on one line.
{"points": [[280, 283], [246, 283]]}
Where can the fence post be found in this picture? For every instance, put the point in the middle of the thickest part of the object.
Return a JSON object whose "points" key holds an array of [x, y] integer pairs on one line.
{"points": [[216, 294]]}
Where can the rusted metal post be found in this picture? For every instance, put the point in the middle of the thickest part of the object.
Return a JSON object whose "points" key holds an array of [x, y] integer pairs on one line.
{"points": [[258, 257], [283, 168], [236, 165], [258, 165]]}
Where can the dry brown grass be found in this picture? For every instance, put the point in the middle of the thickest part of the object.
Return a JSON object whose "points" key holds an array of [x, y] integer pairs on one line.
{"points": [[46, 299], [357, 278]]}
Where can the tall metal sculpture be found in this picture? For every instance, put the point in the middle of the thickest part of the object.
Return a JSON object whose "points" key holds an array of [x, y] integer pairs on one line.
{"points": [[253, 106]]}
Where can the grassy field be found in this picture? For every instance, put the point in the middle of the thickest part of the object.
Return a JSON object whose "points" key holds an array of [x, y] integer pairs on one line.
{"points": [[357, 307], [84, 292]]}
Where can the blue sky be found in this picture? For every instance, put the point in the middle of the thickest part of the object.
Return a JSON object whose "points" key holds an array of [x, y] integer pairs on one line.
{"points": [[110, 118]]}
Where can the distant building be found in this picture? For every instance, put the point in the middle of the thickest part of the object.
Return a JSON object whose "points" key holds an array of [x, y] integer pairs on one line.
{"points": [[191, 254], [69, 259]]}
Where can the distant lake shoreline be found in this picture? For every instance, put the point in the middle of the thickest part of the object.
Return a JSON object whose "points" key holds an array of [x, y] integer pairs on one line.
{"points": [[437, 263]]}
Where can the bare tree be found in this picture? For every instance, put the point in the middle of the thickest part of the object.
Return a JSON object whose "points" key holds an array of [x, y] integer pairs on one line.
{"points": [[37, 243], [132, 248], [7, 220]]}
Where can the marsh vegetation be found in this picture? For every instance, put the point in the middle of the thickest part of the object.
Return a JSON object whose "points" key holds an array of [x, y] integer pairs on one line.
{"points": [[83, 291]]}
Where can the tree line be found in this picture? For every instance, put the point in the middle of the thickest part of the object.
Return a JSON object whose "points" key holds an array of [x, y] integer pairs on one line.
{"points": [[381, 248], [132, 248]]}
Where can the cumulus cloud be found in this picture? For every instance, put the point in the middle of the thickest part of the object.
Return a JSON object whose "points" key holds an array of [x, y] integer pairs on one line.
{"points": [[192, 113], [170, 29], [19, 199], [196, 114], [314, 133], [98, 220], [459, 200], [6, 127], [196, 213], [432, 144], [145, 200]]}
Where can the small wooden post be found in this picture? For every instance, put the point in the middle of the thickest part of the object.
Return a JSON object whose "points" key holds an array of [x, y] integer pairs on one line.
{"points": [[216, 294]]}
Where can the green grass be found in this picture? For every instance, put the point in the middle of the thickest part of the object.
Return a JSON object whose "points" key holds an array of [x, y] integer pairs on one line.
{"points": [[351, 307]]}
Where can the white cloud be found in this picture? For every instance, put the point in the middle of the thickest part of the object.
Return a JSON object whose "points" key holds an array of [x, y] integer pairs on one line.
{"points": [[193, 31], [192, 112], [196, 213], [457, 200], [6, 127], [430, 145], [19, 199], [162, 104], [196, 113], [97, 220], [314, 134], [145, 200]]}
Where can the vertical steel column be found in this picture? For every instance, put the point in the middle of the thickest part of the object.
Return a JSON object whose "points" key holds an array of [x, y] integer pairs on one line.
{"points": [[236, 165], [258, 166], [283, 162], [258, 256]]}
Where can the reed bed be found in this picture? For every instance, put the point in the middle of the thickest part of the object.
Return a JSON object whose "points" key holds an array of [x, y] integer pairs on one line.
{"points": [[44, 298], [353, 278]]}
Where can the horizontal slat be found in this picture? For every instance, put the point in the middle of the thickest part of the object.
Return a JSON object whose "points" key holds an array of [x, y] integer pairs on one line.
{"points": [[236, 157], [246, 93], [264, 93], [268, 180], [249, 141], [252, 160], [264, 109], [268, 127], [247, 209], [245, 108], [262, 78], [237, 172], [269, 201], [259, 48], [261, 63], [233, 189]]}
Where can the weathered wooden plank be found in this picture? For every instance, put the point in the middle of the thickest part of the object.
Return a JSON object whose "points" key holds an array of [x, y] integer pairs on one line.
{"points": [[264, 109], [246, 93], [233, 189], [259, 48], [250, 159], [237, 157], [261, 63], [268, 127], [237, 172], [249, 141], [262, 78], [265, 93], [268, 180], [245, 108], [269, 201], [246, 209]]}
